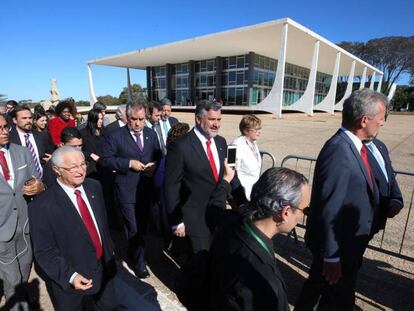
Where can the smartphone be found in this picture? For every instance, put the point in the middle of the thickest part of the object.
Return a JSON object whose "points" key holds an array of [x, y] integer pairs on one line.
{"points": [[231, 155]]}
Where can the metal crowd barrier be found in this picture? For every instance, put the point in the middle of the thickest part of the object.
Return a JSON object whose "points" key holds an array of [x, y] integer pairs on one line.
{"points": [[397, 239]]}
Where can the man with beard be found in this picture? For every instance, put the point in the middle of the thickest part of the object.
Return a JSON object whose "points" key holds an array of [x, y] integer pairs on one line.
{"points": [[194, 166], [22, 134]]}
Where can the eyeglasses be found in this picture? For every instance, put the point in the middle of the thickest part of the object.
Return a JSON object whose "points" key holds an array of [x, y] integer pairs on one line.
{"points": [[257, 129], [74, 168], [305, 210]]}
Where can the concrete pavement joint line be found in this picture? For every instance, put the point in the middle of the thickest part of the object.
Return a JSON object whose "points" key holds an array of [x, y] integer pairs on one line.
{"points": [[401, 142]]}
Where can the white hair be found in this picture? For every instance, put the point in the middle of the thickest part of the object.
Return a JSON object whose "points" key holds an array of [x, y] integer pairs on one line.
{"points": [[57, 156]]}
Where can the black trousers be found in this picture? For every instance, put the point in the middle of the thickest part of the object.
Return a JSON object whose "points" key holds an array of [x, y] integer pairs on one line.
{"points": [[340, 296]]}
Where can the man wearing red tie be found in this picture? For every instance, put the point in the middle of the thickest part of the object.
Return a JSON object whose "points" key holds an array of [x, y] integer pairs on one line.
{"points": [[343, 205], [17, 185], [70, 235], [194, 165]]}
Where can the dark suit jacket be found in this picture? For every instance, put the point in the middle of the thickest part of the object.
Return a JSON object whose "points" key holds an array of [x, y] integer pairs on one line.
{"points": [[111, 127], [43, 142], [61, 242], [388, 190], [342, 202], [92, 144], [118, 150], [189, 182], [173, 121], [243, 275]]}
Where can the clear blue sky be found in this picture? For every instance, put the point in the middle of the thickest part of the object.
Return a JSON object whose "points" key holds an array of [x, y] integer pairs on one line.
{"points": [[44, 39]]}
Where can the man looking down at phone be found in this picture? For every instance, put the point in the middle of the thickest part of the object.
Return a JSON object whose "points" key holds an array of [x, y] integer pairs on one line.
{"points": [[133, 152], [70, 235], [17, 185], [194, 166]]}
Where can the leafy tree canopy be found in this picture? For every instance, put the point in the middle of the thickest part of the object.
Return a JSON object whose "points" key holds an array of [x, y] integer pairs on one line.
{"points": [[136, 92], [392, 55]]}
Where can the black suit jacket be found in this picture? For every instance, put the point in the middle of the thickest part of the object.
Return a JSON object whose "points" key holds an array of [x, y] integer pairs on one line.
{"points": [[342, 202], [61, 242], [111, 127], [118, 150], [388, 190], [189, 182], [243, 275], [42, 140], [91, 144]]}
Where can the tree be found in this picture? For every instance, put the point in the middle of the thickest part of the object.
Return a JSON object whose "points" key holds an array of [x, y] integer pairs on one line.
{"points": [[136, 91], [392, 55], [403, 98], [108, 100]]}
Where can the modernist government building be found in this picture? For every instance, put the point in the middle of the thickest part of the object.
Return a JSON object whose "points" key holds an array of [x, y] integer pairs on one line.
{"points": [[273, 66]]}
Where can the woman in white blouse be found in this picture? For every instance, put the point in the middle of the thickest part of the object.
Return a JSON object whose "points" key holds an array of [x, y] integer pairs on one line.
{"points": [[248, 160]]}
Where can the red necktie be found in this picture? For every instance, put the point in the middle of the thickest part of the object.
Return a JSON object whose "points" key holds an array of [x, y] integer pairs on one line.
{"points": [[211, 159], [364, 157], [90, 226], [4, 166]]}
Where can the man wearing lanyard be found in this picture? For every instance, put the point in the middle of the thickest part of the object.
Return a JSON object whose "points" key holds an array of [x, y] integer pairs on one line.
{"points": [[17, 184]]}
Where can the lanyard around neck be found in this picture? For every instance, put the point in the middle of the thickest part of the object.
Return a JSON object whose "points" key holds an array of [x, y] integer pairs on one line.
{"points": [[256, 237]]}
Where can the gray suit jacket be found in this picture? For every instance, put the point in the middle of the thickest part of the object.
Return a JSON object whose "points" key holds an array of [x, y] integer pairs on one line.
{"points": [[12, 201]]}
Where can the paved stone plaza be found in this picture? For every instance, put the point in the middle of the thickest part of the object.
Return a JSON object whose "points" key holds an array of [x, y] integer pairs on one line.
{"points": [[387, 282]]}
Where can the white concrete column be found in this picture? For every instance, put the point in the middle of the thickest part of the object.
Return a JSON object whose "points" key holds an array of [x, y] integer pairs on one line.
{"points": [[348, 90], [129, 86], [92, 97], [306, 102], [363, 78], [371, 85], [380, 83], [274, 100], [328, 103]]}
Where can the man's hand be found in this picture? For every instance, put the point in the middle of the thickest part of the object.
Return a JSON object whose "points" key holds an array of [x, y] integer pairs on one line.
{"points": [[46, 157], [32, 187], [394, 208], [149, 168], [180, 231], [229, 172], [136, 165], [81, 283], [332, 271]]}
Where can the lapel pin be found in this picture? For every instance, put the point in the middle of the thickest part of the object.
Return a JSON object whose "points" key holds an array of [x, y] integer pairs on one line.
{"points": [[92, 196]]}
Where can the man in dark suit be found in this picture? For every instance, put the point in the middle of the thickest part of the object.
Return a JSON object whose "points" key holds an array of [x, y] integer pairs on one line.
{"points": [[167, 121], [194, 165], [21, 134], [120, 121], [343, 204], [391, 200], [70, 237], [133, 151], [17, 185], [153, 121]]}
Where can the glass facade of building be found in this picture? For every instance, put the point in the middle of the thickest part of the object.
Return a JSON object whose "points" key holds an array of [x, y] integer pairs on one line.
{"points": [[235, 80]]}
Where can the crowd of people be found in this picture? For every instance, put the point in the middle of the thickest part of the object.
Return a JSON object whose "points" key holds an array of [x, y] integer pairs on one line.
{"points": [[75, 182]]}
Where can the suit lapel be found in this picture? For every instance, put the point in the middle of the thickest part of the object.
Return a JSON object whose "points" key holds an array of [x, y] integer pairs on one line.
{"points": [[201, 154], [129, 139], [358, 158], [93, 202], [221, 150], [15, 164], [386, 159], [71, 212]]}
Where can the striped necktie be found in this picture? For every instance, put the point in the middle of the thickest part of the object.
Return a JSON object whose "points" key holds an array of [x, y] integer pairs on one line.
{"points": [[34, 156]]}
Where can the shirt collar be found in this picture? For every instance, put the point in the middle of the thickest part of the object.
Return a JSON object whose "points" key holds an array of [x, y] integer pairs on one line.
{"points": [[68, 189], [200, 136], [262, 236], [356, 141]]}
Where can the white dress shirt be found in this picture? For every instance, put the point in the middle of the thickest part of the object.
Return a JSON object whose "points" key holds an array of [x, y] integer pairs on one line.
{"points": [[213, 147]]}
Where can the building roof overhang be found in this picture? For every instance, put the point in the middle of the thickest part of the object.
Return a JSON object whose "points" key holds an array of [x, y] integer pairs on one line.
{"points": [[263, 39]]}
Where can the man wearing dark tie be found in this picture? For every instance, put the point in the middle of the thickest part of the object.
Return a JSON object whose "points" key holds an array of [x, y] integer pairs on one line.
{"points": [[17, 185], [21, 134], [343, 204], [194, 165], [167, 121], [153, 121], [133, 152], [391, 200], [71, 239]]}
